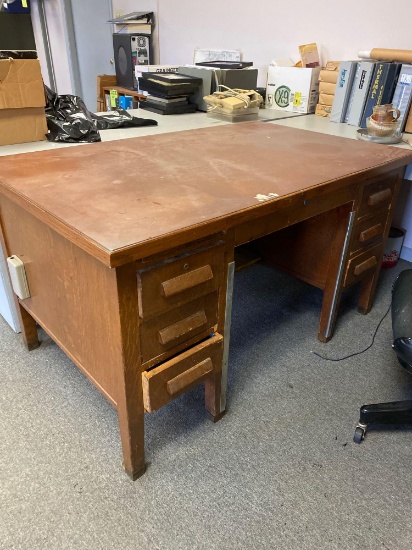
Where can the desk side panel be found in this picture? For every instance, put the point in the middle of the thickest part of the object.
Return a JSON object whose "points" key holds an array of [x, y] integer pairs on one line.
{"points": [[73, 295]]}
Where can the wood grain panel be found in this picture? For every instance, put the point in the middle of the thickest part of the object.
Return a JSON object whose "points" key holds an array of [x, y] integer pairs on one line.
{"points": [[377, 196], [167, 330], [303, 249], [71, 295], [183, 372], [179, 280], [135, 197], [369, 231], [362, 264]]}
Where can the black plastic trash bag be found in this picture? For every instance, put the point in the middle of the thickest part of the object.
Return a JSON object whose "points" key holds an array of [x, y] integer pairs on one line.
{"points": [[120, 118], [69, 120]]}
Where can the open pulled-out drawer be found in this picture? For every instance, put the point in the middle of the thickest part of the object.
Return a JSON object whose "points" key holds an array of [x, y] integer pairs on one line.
{"points": [[164, 383]]}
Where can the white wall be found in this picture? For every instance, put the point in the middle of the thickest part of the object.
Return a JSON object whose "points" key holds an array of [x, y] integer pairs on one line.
{"points": [[268, 28]]}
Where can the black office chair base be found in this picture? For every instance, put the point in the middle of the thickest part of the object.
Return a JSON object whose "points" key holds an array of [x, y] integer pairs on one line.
{"points": [[395, 412]]}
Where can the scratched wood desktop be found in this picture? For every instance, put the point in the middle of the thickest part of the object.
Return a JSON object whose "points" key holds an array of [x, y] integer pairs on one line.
{"points": [[129, 247]]}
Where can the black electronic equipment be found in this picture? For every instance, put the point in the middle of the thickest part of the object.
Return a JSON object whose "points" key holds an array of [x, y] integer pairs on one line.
{"points": [[169, 84], [173, 78], [167, 109], [130, 50]]}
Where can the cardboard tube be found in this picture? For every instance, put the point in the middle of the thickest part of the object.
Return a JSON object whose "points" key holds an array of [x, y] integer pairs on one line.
{"points": [[384, 54]]}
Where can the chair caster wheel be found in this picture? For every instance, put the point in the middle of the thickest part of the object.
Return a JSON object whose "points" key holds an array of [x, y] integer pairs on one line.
{"points": [[359, 435]]}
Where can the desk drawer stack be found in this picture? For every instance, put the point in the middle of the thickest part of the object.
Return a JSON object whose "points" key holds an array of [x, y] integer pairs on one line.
{"points": [[179, 311], [372, 223], [374, 207]]}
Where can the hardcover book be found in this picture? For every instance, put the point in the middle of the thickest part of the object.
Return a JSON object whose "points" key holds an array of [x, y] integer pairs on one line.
{"points": [[343, 88], [360, 92], [378, 82], [352, 92], [391, 82]]}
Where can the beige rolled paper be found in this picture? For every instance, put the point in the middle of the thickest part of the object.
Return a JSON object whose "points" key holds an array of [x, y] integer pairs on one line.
{"points": [[384, 54]]}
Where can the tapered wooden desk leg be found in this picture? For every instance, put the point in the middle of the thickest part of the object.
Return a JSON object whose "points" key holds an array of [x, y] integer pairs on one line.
{"points": [[367, 293], [129, 374], [28, 328], [215, 388], [131, 424]]}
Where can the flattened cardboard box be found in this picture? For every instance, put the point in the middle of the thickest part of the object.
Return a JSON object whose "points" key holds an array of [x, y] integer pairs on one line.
{"points": [[328, 76], [22, 101], [292, 89], [323, 110], [408, 126], [326, 99], [327, 88]]}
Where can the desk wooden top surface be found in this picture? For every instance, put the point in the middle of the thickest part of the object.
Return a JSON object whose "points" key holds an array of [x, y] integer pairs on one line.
{"points": [[114, 198]]}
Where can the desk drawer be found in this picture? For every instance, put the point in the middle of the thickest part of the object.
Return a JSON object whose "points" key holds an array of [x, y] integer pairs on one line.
{"points": [[363, 264], [194, 320], [377, 196], [180, 374], [172, 283], [369, 231]]}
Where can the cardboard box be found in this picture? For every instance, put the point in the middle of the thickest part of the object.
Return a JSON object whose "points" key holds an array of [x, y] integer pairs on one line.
{"points": [[22, 102], [326, 88], [292, 89], [323, 110], [104, 80], [326, 99], [328, 76], [408, 125], [332, 65]]}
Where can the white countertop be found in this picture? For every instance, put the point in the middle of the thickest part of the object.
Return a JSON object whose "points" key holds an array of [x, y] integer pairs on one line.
{"points": [[191, 121], [323, 125], [166, 123]]}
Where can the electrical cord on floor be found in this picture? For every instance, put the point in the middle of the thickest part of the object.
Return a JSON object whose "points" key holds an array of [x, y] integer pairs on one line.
{"points": [[358, 352]]}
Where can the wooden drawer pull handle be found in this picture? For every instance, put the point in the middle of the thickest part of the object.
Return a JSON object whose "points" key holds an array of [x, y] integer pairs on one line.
{"points": [[183, 327], [371, 232], [183, 380], [381, 196], [186, 281], [364, 266]]}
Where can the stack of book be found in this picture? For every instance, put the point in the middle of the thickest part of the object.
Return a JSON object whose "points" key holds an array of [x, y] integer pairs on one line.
{"points": [[327, 85], [137, 22], [364, 84], [169, 93]]}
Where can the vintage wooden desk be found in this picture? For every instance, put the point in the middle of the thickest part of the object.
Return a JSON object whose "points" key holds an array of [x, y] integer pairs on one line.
{"points": [[128, 247]]}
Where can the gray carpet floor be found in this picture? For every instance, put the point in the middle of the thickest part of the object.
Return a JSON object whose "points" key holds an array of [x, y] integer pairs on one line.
{"points": [[279, 471]]}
